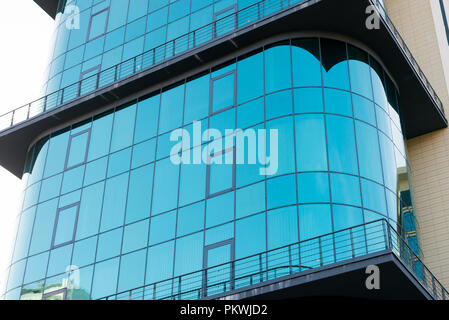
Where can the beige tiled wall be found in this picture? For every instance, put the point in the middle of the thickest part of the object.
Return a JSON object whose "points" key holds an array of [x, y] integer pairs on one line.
{"points": [[420, 24]]}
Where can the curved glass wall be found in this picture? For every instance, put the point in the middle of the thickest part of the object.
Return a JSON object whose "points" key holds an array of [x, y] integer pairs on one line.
{"points": [[94, 35], [106, 209]]}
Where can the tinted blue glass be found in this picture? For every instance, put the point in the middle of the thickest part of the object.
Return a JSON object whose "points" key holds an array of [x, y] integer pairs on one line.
{"points": [[285, 143], [135, 236], [84, 252], [368, 152], [193, 183], [335, 65], [98, 24], [314, 220], [56, 154], [308, 100], [73, 179], [313, 187], [250, 78], [162, 227], [95, 171], [189, 254], [311, 152], [16, 274], [373, 197], [50, 188], [383, 121], [109, 244], [166, 178], [364, 109], [114, 202], [388, 161], [220, 177], [36, 268], [250, 113], [135, 29], [223, 92], [119, 162], [341, 144], [250, 236], [282, 225], [59, 260], [157, 19], [306, 63], [143, 153], [114, 39], [360, 72], [190, 219], [197, 99], [220, 233], [100, 137], [278, 104], [338, 102], [160, 262], [137, 8], [65, 226], [122, 135], [116, 16], [132, 270], [220, 209], [345, 189], [139, 194], [24, 234], [105, 278], [90, 210], [277, 68], [43, 226], [172, 103], [281, 191], [250, 200], [146, 121], [77, 151]]}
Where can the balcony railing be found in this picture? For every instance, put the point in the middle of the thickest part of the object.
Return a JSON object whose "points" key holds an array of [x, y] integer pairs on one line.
{"points": [[383, 14], [343, 245], [149, 59], [155, 56]]}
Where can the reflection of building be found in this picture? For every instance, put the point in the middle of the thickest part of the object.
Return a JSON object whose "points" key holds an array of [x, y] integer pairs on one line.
{"points": [[101, 192]]}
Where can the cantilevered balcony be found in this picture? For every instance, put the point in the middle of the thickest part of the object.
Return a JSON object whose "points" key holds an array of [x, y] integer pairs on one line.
{"points": [[329, 265], [421, 109]]}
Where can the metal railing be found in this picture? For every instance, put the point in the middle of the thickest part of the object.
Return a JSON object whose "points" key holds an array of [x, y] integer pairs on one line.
{"points": [[394, 31], [350, 243], [153, 57], [212, 31]]}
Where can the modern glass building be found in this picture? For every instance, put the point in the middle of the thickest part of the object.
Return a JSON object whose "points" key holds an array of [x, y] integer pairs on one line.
{"points": [[108, 214]]}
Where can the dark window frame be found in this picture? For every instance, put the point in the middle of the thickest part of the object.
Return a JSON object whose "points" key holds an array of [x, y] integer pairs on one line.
{"points": [[69, 146], [211, 92], [55, 293], [234, 9], [88, 39], [208, 176], [75, 223]]}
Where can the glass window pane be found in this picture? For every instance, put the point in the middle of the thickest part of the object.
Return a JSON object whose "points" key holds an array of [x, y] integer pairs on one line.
{"points": [[78, 149], [313, 187], [308, 100], [345, 189], [143, 153], [95, 171], [220, 209], [281, 191], [282, 227], [73, 179], [165, 193], [286, 158], [160, 262], [193, 183], [359, 72], [56, 154], [189, 254], [135, 236], [105, 278], [59, 260], [65, 225], [250, 78], [84, 252], [109, 244], [98, 24], [139, 194], [311, 151], [90, 210], [373, 197], [36, 268], [172, 104], [278, 104], [50, 188], [335, 65], [341, 144], [277, 68], [368, 152], [162, 227], [250, 236], [43, 226], [197, 99], [24, 234], [223, 95], [147, 117], [100, 137], [132, 271], [314, 220], [250, 113], [122, 135], [364, 109], [119, 162], [306, 62], [338, 102], [114, 202], [190, 219], [250, 200]]}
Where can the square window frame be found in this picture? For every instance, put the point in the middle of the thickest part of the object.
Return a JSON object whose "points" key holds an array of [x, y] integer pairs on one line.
{"points": [[55, 227], [88, 39], [69, 145], [232, 188]]}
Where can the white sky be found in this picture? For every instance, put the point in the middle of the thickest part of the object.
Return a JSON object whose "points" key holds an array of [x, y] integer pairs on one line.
{"points": [[25, 35]]}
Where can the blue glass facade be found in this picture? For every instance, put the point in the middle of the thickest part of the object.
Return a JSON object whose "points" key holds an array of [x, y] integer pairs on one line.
{"points": [[105, 209]]}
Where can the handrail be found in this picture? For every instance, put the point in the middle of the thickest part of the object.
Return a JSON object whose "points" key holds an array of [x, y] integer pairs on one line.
{"points": [[346, 244], [155, 56]]}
